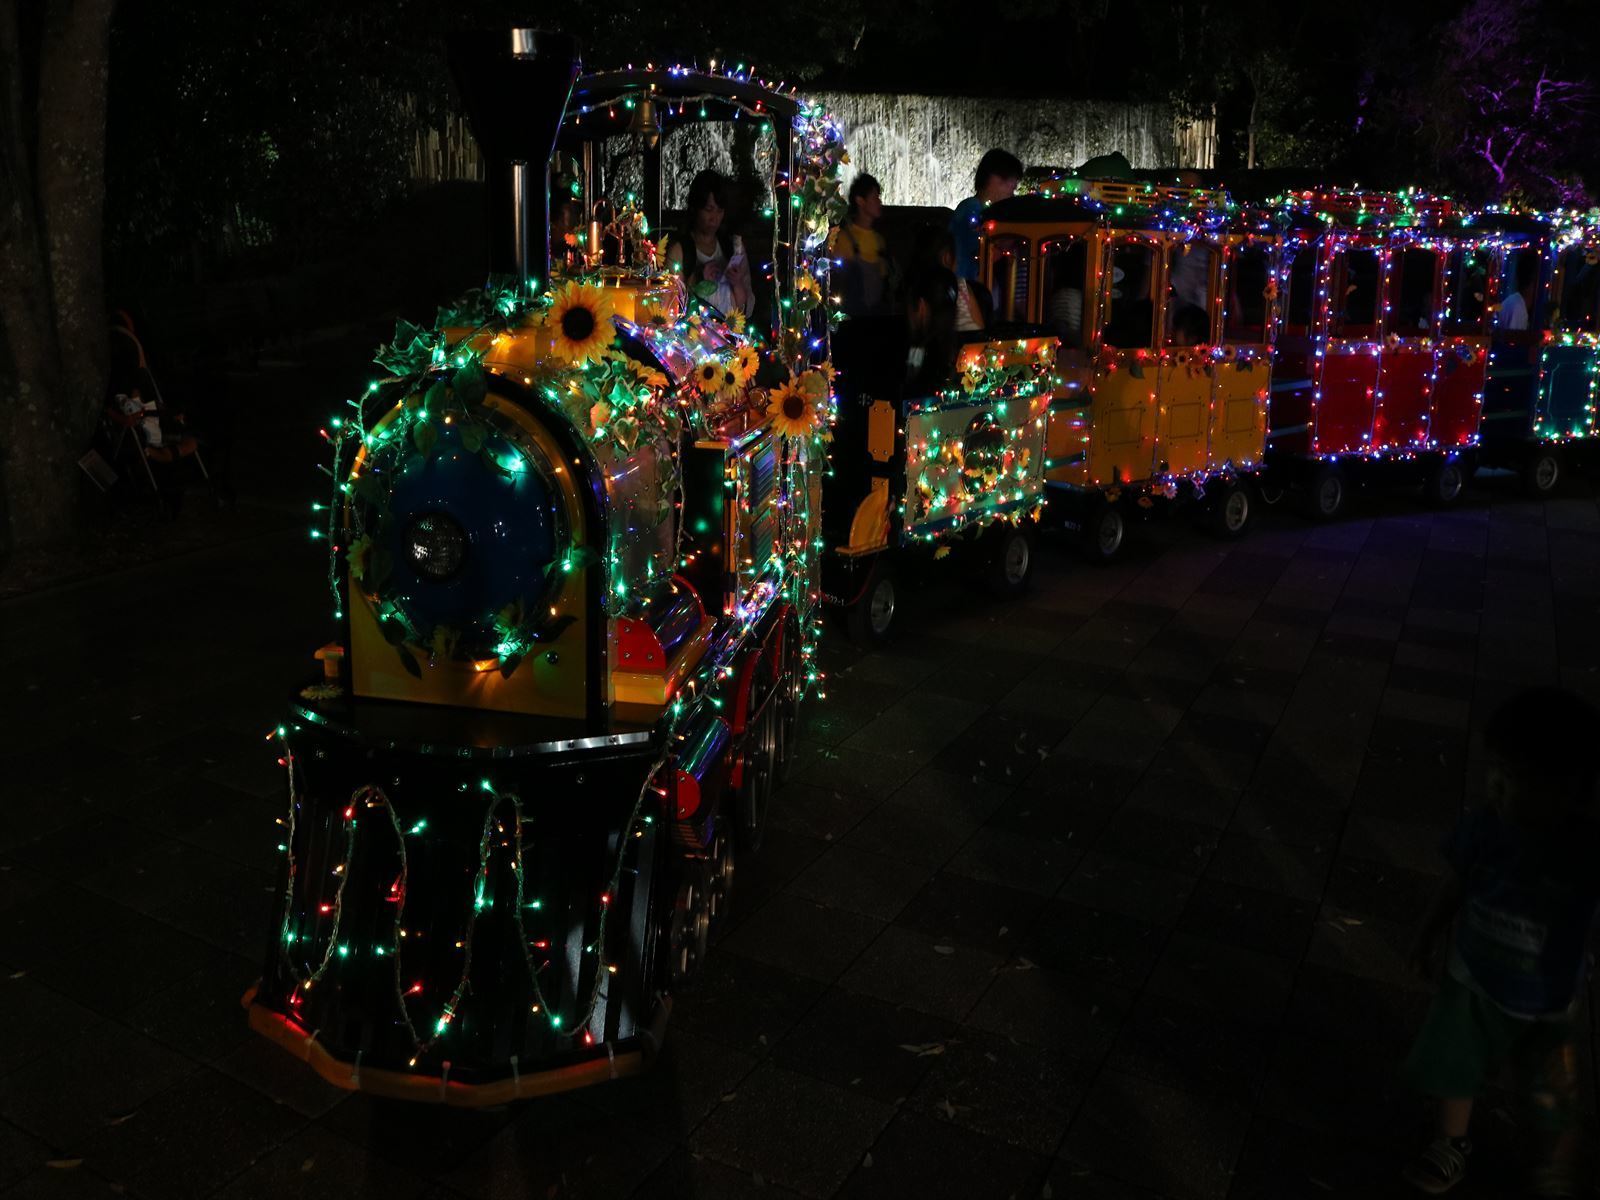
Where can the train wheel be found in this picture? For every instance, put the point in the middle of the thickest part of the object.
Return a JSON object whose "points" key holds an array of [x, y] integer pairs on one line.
{"points": [[1541, 473], [760, 761], [719, 888], [1231, 511], [1011, 562], [1104, 532], [689, 931], [1325, 498], [872, 617], [790, 689], [1443, 483]]}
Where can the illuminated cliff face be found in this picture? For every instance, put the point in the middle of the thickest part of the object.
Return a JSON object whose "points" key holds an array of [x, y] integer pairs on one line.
{"points": [[922, 149]]}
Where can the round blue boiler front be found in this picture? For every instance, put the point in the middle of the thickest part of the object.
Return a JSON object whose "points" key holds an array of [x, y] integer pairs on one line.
{"points": [[470, 532]]}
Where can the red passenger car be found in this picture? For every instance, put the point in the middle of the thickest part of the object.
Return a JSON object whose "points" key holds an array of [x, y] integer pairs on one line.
{"points": [[1379, 365]]}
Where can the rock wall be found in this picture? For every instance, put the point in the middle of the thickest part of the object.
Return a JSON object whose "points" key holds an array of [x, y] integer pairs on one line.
{"points": [[922, 149]]}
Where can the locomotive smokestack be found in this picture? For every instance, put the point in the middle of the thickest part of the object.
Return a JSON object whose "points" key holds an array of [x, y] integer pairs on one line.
{"points": [[514, 86]]}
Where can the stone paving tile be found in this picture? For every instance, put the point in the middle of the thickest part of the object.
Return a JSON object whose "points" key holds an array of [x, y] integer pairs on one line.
{"points": [[907, 967], [802, 937], [1053, 1011], [865, 1045], [1174, 1142], [191, 1139], [1003, 1089], [795, 1130], [918, 1157], [1136, 889], [316, 1165]]}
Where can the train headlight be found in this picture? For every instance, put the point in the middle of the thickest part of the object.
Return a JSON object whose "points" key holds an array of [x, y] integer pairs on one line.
{"points": [[436, 545]]}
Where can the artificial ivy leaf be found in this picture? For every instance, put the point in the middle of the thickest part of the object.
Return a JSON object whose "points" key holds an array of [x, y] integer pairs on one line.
{"points": [[394, 632], [472, 437], [1135, 368], [470, 384], [380, 564], [424, 436], [409, 662], [509, 664], [434, 400], [492, 463]]}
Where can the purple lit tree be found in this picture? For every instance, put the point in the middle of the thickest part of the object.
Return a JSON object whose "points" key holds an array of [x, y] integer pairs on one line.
{"points": [[1507, 106]]}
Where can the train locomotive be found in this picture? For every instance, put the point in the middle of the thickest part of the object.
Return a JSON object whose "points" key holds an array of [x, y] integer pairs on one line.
{"points": [[573, 572]]}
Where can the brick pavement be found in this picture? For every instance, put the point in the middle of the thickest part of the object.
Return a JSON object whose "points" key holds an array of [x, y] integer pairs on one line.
{"points": [[1099, 894]]}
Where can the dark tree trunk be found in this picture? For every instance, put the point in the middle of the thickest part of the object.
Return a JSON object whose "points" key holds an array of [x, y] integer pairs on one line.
{"points": [[53, 63]]}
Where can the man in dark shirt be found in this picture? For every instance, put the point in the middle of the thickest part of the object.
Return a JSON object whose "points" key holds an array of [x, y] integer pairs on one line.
{"points": [[1523, 891]]}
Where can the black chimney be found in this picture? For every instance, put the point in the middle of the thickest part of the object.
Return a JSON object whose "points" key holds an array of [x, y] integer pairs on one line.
{"points": [[514, 85]]}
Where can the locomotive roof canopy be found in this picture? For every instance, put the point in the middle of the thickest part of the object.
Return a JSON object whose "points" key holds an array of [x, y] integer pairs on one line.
{"points": [[611, 103]]}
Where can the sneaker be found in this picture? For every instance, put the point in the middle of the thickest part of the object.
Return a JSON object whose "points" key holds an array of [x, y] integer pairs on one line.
{"points": [[1439, 1167]]}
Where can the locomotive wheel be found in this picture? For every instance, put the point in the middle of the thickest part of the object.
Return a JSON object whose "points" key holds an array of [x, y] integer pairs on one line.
{"points": [[871, 617], [689, 931], [790, 688], [1011, 563], [1325, 498], [719, 888], [760, 762], [1443, 483], [1104, 532], [1231, 511], [1541, 473]]}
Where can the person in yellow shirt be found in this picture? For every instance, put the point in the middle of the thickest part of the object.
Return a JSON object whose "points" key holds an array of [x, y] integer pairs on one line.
{"points": [[859, 254]]}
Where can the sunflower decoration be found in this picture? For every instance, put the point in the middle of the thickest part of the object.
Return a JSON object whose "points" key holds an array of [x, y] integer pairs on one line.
{"points": [[708, 377], [579, 320], [746, 362], [793, 413], [807, 291]]}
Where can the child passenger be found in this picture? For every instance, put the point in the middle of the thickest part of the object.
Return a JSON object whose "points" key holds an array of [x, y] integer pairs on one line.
{"points": [[861, 259], [1522, 894], [711, 258]]}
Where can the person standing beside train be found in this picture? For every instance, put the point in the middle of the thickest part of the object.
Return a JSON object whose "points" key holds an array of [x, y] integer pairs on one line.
{"points": [[998, 174], [861, 265]]}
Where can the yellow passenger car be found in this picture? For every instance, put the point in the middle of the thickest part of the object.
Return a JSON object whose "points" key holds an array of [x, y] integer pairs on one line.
{"points": [[1162, 299]]}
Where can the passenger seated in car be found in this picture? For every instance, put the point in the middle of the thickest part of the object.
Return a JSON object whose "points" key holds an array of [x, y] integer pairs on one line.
{"points": [[931, 323], [1190, 325], [936, 252]]}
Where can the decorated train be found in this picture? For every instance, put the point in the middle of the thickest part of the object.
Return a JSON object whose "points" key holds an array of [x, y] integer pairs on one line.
{"points": [[574, 576], [582, 531]]}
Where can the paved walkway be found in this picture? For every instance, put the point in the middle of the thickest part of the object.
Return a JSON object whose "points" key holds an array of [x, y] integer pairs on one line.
{"points": [[1100, 894]]}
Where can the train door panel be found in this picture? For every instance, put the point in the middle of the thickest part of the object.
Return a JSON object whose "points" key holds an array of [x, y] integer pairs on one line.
{"points": [[1066, 307], [1242, 374], [1405, 365], [1185, 367], [1348, 377], [1460, 353], [1567, 371], [1123, 411], [1513, 390], [1291, 405]]}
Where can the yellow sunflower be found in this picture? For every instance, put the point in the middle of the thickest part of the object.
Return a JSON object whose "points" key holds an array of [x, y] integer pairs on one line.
{"points": [[792, 413], [746, 362], [731, 383], [708, 376], [579, 320]]}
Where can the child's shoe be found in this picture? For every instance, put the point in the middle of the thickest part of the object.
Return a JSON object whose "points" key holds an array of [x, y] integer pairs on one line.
{"points": [[1440, 1167]]}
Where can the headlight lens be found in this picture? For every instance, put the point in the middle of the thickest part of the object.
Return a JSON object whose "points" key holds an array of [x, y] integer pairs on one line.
{"points": [[436, 544]]}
